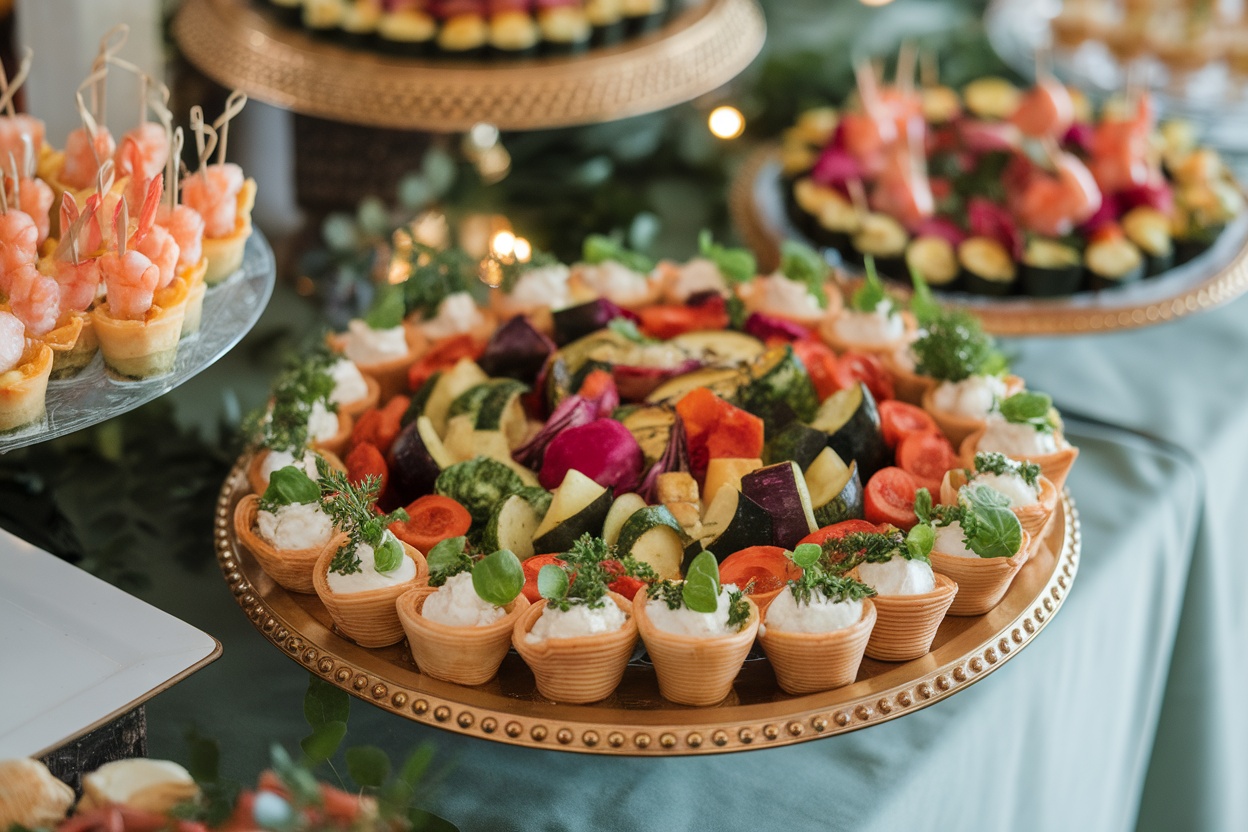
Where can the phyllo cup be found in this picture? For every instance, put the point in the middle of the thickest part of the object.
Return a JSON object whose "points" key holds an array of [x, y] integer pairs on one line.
{"points": [[291, 568], [909, 386], [463, 655], [259, 483], [1033, 517], [695, 670], [369, 618], [905, 625], [143, 348], [982, 582], [581, 669], [1055, 466], [225, 254], [23, 393], [391, 373], [811, 662]]}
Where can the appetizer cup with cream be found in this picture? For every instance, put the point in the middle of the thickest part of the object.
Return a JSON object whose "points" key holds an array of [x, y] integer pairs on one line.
{"points": [[1026, 427], [286, 529], [873, 321], [459, 626], [1032, 496]]}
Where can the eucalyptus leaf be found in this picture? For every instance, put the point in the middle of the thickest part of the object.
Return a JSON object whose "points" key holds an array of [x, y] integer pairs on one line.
{"points": [[340, 233], [323, 742], [372, 216], [439, 169], [552, 583], [807, 555], [416, 764], [700, 590], [324, 703], [368, 766], [203, 757], [389, 555], [446, 555], [415, 192], [498, 577], [290, 486], [296, 778]]}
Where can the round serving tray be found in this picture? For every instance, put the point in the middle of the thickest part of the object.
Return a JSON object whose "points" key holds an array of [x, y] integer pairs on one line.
{"points": [[635, 720], [231, 309], [698, 50], [756, 202]]}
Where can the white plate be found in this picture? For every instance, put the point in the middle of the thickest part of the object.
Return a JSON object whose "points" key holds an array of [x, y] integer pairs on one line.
{"points": [[78, 652]]}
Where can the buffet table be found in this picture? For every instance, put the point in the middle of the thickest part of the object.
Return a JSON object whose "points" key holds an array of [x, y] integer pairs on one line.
{"points": [[1061, 737]]}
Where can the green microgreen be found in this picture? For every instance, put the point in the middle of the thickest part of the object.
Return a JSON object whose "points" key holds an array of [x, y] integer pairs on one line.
{"points": [[289, 486], [1028, 408], [1000, 464], [922, 303], [585, 578], [737, 265], [639, 569], [803, 264], [350, 505], [448, 558], [815, 579], [843, 554], [600, 249], [871, 293]]}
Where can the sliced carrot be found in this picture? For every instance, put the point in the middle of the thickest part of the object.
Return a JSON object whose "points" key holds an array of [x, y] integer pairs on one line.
{"points": [[595, 383], [715, 429], [430, 520], [444, 354], [366, 461], [379, 426]]}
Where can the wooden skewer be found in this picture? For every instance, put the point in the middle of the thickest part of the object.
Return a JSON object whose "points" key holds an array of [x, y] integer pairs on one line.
{"points": [[233, 106], [929, 69], [205, 136], [112, 42], [9, 88], [904, 77], [121, 222], [17, 182]]}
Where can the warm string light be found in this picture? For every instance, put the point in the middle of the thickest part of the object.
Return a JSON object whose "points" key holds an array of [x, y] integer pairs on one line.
{"points": [[726, 122], [876, 2]]}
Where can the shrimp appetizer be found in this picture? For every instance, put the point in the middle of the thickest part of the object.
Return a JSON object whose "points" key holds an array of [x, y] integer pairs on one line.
{"points": [[220, 193]]}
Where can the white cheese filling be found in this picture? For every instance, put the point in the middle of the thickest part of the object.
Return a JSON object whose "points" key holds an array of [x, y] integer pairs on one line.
{"points": [[883, 325], [546, 286], [457, 314], [322, 423], [457, 604], [349, 384], [615, 282], [365, 345], [1016, 440], [778, 295], [820, 615], [972, 397], [951, 540], [579, 620], [687, 622], [296, 526], [276, 460], [899, 576], [696, 276], [906, 359], [368, 577], [1010, 484]]}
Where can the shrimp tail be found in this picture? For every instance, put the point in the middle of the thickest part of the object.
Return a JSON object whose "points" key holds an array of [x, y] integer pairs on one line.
{"points": [[151, 204]]}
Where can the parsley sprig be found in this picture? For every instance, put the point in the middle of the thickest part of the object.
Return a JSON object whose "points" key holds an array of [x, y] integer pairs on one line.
{"points": [[815, 579], [954, 346], [1001, 465], [582, 578], [285, 426], [435, 274], [843, 554], [350, 506]]}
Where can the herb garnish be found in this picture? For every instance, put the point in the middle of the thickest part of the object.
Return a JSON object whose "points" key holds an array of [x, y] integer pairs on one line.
{"points": [[289, 486], [801, 263], [639, 569], [388, 309], [816, 579], [954, 347], [435, 275], [1000, 464], [599, 249], [350, 506], [868, 296], [1027, 408], [843, 554], [922, 304], [990, 528], [700, 591], [285, 426], [581, 580], [497, 578], [737, 265], [513, 270], [627, 328]]}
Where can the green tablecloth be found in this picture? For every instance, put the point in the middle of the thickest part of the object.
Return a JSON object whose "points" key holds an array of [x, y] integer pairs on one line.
{"points": [[1059, 737]]}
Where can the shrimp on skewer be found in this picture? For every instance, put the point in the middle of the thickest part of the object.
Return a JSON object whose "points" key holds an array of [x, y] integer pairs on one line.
{"points": [[35, 298], [213, 190], [129, 277], [181, 221], [153, 241], [1120, 149], [18, 241], [78, 277], [12, 341], [150, 139], [89, 146], [17, 128], [29, 193], [1053, 205], [1047, 109]]}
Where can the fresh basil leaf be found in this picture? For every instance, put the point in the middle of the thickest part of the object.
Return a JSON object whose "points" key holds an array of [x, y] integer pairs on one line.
{"points": [[871, 293], [446, 555], [998, 534], [919, 541], [737, 265], [807, 555], [552, 583], [700, 590], [368, 766], [1028, 408], [388, 309], [289, 486], [983, 496], [599, 249], [923, 505], [498, 577], [803, 264], [388, 556]]}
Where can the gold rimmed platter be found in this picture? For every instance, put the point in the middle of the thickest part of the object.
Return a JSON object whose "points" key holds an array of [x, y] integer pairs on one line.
{"points": [[635, 720], [1216, 277], [701, 48]]}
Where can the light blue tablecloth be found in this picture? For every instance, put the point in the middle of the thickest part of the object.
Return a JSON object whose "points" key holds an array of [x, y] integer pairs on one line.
{"points": [[1058, 738]]}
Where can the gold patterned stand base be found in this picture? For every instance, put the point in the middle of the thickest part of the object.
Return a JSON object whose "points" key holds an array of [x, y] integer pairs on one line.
{"points": [[636, 720], [1216, 277], [699, 50]]}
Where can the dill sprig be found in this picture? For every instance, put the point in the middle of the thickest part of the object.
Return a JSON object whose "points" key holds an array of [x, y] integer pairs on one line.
{"points": [[350, 505], [436, 274], [1001, 465], [295, 391]]}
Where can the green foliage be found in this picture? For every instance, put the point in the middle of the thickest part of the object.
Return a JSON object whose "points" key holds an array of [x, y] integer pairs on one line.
{"points": [[582, 580], [1027, 408], [803, 264], [448, 558], [700, 590], [843, 554], [737, 265], [289, 486], [498, 577], [922, 304], [871, 293], [350, 506], [990, 527], [738, 610], [599, 248], [816, 579], [368, 766], [388, 309], [955, 347], [1000, 464]]}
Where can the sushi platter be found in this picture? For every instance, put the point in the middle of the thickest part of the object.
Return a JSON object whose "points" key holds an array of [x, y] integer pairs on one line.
{"points": [[1219, 275], [699, 49], [636, 720]]}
